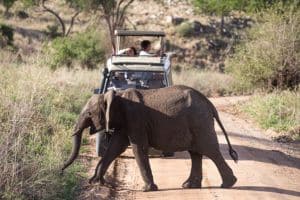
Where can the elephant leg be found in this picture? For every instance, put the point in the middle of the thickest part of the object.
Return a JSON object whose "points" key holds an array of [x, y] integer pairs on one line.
{"points": [[118, 144], [195, 178], [141, 156], [225, 171]]}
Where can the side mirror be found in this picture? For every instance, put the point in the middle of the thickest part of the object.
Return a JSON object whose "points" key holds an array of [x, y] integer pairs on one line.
{"points": [[104, 71], [97, 91]]}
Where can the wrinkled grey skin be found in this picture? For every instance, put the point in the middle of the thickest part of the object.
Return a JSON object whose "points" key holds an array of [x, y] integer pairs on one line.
{"points": [[171, 119]]}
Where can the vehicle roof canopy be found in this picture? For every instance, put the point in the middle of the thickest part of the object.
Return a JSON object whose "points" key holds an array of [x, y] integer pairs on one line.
{"points": [[139, 33]]}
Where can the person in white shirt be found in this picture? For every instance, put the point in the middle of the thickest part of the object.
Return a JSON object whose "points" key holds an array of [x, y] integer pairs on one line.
{"points": [[145, 48]]}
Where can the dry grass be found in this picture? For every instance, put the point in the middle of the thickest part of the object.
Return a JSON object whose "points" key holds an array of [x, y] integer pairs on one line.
{"points": [[38, 108], [208, 82]]}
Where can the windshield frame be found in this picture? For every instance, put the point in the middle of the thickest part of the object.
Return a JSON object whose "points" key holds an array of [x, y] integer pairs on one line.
{"points": [[110, 73]]}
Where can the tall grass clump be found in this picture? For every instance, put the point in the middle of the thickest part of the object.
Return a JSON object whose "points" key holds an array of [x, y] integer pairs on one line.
{"points": [[270, 56], [38, 108], [279, 111], [86, 49], [208, 82]]}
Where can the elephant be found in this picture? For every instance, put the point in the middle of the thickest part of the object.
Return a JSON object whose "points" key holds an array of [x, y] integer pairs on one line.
{"points": [[171, 119]]}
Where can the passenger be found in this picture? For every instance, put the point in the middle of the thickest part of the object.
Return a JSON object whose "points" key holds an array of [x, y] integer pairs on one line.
{"points": [[145, 48], [131, 51]]}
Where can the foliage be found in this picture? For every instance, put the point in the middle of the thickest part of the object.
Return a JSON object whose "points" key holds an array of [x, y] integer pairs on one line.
{"points": [[114, 14], [77, 5], [38, 108], [52, 31], [7, 4], [279, 111], [270, 57], [218, 7], [185, 29], [224, 7], [6, 35], [87, 48]]}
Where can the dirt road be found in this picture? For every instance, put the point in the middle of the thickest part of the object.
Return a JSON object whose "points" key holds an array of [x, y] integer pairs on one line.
{"points": [[266, 170]]}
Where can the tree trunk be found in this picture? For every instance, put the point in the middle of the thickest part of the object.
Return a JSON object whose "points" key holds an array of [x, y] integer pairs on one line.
{"points": [[6, 12], [222, 24]]}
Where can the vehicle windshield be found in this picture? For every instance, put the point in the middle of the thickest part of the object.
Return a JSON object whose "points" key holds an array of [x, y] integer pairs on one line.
{"points": [[121, 80]]}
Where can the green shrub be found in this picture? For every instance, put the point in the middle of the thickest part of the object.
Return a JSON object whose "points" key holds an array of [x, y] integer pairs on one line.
{"points": [[279, 111], [86, 48], [270, 57], [185, 29]]}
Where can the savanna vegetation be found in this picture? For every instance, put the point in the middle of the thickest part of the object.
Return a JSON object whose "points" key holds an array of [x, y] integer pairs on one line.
{"points": [[38, 108], [49, 70]]}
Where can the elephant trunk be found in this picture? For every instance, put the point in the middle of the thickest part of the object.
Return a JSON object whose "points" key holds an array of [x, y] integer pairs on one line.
{"points": [[75, 150]]}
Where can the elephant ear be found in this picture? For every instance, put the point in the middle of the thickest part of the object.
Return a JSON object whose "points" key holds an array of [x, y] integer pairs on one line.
{"points": [[108, 99], [92, 111]]}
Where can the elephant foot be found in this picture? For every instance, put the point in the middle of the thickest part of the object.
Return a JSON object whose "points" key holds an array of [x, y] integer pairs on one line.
{"points": [[150, 187], [228, 183], [192, 183]]}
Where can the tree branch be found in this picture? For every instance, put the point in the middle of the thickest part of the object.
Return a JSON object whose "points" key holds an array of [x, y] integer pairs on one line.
{"points": [[56, 15], [72, 22], [124, 10], [118, 9]]}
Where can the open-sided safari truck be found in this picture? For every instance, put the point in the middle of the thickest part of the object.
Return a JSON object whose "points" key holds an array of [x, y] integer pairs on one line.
{"points": [[141, 72]]}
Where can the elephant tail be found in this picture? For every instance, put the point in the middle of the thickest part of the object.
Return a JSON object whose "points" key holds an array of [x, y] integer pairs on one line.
{"points": [[232, 152]]}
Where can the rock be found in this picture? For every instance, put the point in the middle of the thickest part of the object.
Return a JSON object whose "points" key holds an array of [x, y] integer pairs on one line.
{"points": [[200, 64], [189, 11], [153, 16], [216, 44], [22, 14], [169, 19], [200, 28], [177, 20], [222, 67], [139, 22], [197, 46]]}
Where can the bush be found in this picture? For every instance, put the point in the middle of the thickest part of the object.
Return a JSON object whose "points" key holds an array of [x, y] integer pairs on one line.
{"points": [[278, 111], [52, 31], [270, 57], [86, 48], [6, 35], [38, 108], [185, 29]]}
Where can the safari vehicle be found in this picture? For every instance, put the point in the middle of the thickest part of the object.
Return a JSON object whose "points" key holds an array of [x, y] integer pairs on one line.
{"points": [[141, 72]]}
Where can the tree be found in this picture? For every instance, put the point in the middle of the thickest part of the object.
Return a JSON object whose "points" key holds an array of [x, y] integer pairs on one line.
{"points": [[219, 7], [77, 5], [224, 7], [114, 13], [7, 4]]}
